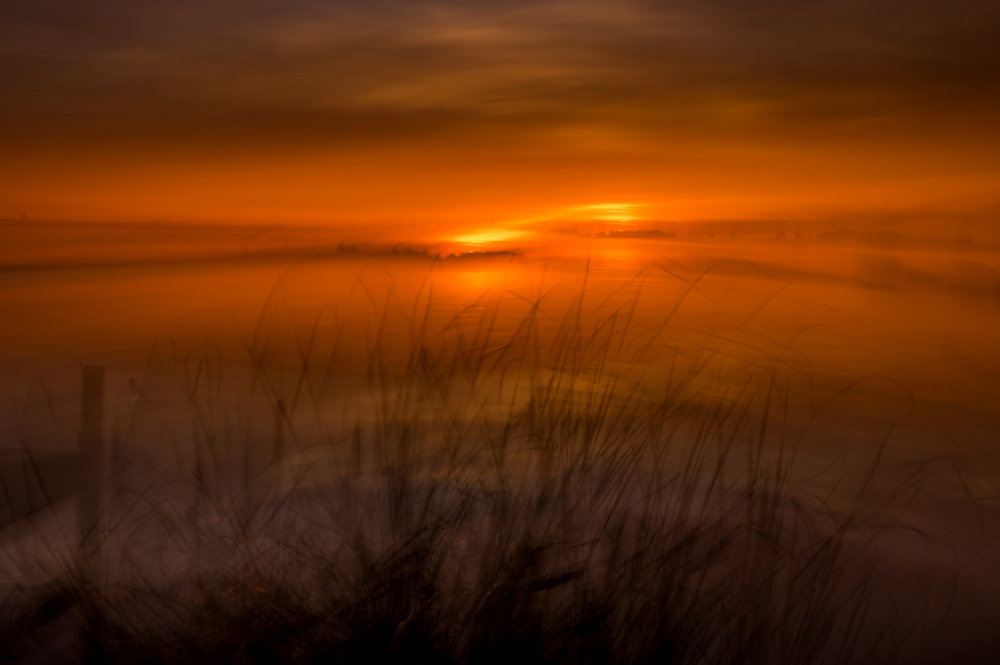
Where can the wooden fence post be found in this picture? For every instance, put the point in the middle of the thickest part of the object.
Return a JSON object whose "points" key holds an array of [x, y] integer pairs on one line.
{"points": [[91, 443]]}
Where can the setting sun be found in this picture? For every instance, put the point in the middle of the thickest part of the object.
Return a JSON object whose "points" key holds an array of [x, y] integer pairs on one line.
{"points": [[488, 236]]}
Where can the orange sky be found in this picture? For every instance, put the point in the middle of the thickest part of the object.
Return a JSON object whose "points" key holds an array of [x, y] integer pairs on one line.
{"points": [[454, 117]]}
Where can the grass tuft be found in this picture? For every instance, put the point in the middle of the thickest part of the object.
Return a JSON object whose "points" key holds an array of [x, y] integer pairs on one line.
{"points": [[552, 487]]}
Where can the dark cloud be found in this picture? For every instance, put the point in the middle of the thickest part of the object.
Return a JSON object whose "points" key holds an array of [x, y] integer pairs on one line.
{"points": [[316, 72]]}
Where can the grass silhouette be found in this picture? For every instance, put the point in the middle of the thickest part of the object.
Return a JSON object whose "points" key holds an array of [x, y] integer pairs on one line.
{"points": [[573, 488]]}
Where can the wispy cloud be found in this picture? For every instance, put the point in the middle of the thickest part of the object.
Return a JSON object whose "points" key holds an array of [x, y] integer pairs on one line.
{"points": [[323, 69]]}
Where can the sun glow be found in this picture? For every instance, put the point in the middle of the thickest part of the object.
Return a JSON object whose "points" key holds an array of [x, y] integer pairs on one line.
{"points": [[487, 236], [620, 213]]}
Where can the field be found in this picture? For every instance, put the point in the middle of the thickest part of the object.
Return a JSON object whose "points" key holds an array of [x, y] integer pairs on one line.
{"points": [[654, 449]]}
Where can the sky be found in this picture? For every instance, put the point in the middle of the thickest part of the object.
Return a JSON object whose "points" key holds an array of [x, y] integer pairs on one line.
{"points": [[474, 115]]}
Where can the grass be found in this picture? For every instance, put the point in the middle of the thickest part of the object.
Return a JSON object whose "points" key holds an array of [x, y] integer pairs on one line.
{"points": [[576, 487]]}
